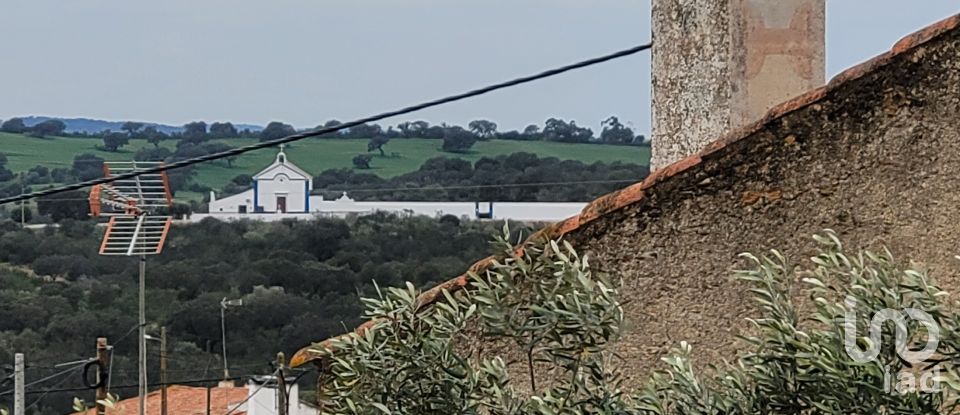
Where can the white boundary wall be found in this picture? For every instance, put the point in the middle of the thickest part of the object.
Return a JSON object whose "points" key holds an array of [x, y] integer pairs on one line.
{"points": [[344, 207]]}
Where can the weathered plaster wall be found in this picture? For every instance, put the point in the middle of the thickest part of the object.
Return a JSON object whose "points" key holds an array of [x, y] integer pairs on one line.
{"points": [[877, 160], [720, 64]]}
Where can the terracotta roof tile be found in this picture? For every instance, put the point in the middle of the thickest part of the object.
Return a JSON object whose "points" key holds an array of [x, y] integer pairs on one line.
{"points": [[635, 193], [182, 400]]}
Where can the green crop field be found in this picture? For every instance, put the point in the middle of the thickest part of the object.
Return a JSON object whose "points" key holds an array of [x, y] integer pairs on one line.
{"points": [[313, 155]]}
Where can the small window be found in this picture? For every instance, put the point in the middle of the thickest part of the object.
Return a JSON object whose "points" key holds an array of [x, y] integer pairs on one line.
{"points": [[243, 208]]}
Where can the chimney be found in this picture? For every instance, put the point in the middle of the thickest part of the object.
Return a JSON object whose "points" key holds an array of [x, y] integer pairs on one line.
{"points": [[720, 64]]}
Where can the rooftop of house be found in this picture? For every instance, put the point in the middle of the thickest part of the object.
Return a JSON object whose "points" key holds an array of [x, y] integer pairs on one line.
{"points": [[872, 154], [182, 400]]}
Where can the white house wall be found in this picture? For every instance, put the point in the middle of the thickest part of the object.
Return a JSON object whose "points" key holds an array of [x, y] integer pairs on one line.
{"points": [[519, 211], [525, 211], [231, 204], [294, 189]]}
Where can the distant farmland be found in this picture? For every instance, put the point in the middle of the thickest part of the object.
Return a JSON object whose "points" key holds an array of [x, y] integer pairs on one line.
{"points": [[314, 155]]}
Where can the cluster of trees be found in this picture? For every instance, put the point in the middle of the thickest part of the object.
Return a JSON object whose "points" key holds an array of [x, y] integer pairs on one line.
{"points": [[84, 167], [41, 130], [506, 178], [299, 282], [457, 138]]}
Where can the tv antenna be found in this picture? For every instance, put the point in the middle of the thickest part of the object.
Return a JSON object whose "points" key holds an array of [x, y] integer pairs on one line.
{"points": [[136, 228]]}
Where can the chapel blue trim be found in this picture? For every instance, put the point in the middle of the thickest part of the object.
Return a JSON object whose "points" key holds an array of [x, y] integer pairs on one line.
{"points": [[306, 197], [256, 196]]}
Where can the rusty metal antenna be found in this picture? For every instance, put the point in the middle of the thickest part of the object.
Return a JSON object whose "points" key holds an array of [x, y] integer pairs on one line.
{"points": [[136, 228]]}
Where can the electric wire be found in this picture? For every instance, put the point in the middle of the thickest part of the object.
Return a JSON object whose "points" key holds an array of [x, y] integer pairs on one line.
{"points": [[251, 395], [134, 386], [112, 346], [326, 130], [480, 186], [44, 394], [53, 376], [465, 187], [294, 383]]}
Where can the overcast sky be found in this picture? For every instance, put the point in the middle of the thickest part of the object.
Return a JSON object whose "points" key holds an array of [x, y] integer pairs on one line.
{"points": [[307, 61]]}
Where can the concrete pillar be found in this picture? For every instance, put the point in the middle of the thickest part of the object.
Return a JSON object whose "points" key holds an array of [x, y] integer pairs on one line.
{"points": [[720, 64]]}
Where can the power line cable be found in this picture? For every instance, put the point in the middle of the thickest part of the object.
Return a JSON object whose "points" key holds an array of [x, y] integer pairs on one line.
{"points": [[79, 365], [179, 382], [327, 130], [44, 394], [185, 382], [275, 373], [480, 186], [442, 188], [465, 187], [112, 346], [127, 334]]}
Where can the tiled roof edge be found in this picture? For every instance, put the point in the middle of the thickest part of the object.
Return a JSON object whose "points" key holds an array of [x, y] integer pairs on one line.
{"points": [[634, 193]]}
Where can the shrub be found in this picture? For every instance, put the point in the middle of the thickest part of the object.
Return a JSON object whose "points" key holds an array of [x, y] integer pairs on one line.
{"points": [[548, 301]]}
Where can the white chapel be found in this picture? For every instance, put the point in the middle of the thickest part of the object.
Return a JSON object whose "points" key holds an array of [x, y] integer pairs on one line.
{"points": [[281, 187]]}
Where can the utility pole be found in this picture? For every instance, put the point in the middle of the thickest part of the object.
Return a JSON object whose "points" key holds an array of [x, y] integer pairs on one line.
{"points": [[223, 335], [22, 214], [282, 404], [142, 387], [18, 396], [102, 358], [223, 330], [163, 370]]}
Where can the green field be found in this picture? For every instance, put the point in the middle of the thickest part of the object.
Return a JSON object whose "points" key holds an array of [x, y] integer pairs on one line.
{"points": [[313, 155]]}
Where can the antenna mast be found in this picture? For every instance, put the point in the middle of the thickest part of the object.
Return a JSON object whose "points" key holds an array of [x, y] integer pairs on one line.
{"points": [[135, 229]]}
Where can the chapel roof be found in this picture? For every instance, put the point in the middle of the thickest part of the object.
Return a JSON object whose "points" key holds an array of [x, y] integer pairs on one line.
{"points": [[279, 162]]}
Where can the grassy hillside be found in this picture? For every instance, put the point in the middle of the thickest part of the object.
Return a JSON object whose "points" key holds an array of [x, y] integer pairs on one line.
{"points": [[314, 155]]}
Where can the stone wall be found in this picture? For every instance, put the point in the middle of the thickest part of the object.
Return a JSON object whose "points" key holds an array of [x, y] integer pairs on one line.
{"points": [[875, 156]]}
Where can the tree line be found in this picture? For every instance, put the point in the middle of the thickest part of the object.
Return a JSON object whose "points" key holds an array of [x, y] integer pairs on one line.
{"points": [[553, 129], [46, 128], [517, 177]]}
